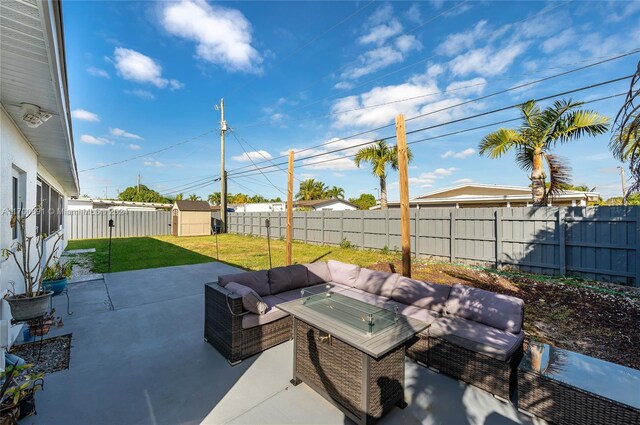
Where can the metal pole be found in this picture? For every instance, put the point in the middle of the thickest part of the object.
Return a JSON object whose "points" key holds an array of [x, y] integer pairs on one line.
{"points": [[110, 234], [267, 224], [223, 174], [217, 253]]}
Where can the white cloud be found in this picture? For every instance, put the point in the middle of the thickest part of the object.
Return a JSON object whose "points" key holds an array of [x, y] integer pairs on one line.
{"points": [[134, 66], [98, 72], [459, 155], [121, 133], [92, 140], [414, 14], [343, 85], [558, 41], [462, 88], [142, 94], [152, 163], [429, 178], [249, 156], [457, 42], [222, 35], [464, 181], [487, 61], [629, 9], [84, 115], [381, 33], [134, 147]]}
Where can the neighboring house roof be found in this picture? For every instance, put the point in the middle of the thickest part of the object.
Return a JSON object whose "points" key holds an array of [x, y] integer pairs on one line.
{"points": [[33, 70], [481, 193], [193, 206], [315, 203], [116, 203]]}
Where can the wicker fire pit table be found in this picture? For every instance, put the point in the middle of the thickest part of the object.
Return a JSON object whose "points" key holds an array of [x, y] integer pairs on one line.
{"points": [[564, 387], [350, 352]]}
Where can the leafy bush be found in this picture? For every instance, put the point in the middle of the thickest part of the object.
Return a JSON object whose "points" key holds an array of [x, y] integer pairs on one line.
{"points": [[344, 243]]}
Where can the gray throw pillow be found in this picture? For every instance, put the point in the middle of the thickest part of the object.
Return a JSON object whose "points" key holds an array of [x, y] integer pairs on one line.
{"points": [[343, 273], [318, 272], [251, 301]]}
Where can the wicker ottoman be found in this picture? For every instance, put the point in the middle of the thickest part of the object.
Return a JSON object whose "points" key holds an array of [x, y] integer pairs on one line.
{"points": [[571, 388]]}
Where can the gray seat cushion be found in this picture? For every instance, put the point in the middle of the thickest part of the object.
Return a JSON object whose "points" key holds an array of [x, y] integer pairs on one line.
{"points": [[346, 274], [273, 313], [318, 272], [376, 282], [499, 311], [295, 294], [258, 281], [358, 294], [251, 301], [421, 294], [477, 337], [287, 278]]}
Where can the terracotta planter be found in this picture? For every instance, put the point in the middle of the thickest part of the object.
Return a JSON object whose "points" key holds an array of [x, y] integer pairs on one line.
{"points": [[26, 308]]}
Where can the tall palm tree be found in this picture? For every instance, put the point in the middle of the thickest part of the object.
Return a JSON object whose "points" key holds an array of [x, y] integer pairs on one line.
{"points": [[539, 133], [334, 192], [215, 198], [310, 189], [194, 197], [379, 155], [625, 142]]}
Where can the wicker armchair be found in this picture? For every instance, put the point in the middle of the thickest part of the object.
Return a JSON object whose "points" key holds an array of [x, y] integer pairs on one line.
{"points": [[223, 326]]}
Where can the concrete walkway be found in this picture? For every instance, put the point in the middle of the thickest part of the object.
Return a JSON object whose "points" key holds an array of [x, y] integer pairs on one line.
{"points": [[138, 357]]}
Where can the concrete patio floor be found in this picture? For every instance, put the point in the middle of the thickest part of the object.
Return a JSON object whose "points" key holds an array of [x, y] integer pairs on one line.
{"points": [[138, 357]]}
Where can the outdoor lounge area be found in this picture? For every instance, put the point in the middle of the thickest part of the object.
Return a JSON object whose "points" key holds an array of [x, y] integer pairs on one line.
{"points": [[138, 356]]}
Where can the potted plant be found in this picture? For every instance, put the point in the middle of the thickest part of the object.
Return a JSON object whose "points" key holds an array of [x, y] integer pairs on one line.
{"points": [[28, 252], [55, 277], [40, 327], [17, 395]]}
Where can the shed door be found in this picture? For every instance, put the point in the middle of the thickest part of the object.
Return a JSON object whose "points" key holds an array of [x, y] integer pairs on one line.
{"points": [[174, 224]]}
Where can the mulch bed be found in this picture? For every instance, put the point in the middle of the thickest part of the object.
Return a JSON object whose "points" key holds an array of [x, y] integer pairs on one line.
{"points": [[54, 356], [594, 318]]}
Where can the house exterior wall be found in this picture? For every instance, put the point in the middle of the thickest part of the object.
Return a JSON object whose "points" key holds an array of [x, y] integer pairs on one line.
{"points": [[335, 206], [17, 157]]}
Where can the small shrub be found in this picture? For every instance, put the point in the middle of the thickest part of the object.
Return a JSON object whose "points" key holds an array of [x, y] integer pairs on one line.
{"points": [[385, 250], [344, 243]]}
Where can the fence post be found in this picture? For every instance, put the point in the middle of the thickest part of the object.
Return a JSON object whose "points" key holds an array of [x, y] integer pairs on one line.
{"points": [[498, 215], [306, 213], [416, 237], [322, 228], [562, 242], [637, 210], [362, 229], [452, 235], [341, 227], [386, 225]]}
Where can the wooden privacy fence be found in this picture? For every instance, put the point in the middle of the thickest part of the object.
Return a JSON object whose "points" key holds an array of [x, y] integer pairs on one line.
{"points": [[93, 224], [600, 243]]}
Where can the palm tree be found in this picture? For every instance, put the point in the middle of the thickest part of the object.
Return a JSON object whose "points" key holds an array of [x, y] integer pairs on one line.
{"points": [[193, 197], [625, 143], [310, 189], [179, 197], [334, 193], [379, 154], [539, 133], [215, 198]]}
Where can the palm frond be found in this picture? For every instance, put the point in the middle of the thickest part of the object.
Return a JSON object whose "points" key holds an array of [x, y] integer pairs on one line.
{"points": [[559, 176], [496, 144], [524, 158], [580, 123]]}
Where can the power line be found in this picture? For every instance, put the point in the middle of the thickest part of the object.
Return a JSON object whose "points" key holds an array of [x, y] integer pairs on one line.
{"points": [[166, 148], [254, 164], [448, 123], [519, 86]]}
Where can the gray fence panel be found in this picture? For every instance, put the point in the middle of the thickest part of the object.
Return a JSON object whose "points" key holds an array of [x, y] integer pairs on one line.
{"points": [[594, 242], [94, 224]]}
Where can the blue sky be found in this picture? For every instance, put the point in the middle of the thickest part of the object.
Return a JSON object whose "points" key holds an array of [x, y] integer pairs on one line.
{"points": [[294, 75]]}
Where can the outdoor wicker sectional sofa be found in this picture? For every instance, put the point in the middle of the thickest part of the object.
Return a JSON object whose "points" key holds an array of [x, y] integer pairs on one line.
{"points": [[474, 335]]}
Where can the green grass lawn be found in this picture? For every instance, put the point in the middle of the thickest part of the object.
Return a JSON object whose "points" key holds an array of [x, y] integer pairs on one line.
{"points": [[242, 251]]}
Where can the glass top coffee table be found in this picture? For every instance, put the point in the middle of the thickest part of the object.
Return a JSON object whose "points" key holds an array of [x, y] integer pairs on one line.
{"points": [[567, 387], [350, 352]]}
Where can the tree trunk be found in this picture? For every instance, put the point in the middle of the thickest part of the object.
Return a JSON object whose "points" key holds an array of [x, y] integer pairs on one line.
{"points": [[383, 192], [537, 179]]}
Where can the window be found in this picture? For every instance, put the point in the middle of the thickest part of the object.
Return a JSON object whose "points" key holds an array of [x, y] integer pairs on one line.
{"points": [[49, 219], [17, 196]]}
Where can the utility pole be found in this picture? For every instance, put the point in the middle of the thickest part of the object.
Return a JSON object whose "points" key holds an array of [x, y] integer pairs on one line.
{"points": [[405, 218], [223, 173], [624, 189]]}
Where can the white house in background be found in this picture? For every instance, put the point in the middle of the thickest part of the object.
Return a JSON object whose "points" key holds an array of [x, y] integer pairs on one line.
{"points": [[37, 163], [260, 207], [325, 205], [81, 204], [491, 195]]}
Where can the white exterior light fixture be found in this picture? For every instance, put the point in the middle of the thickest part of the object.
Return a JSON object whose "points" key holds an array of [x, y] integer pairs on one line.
{"points": [[33, 115]]}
